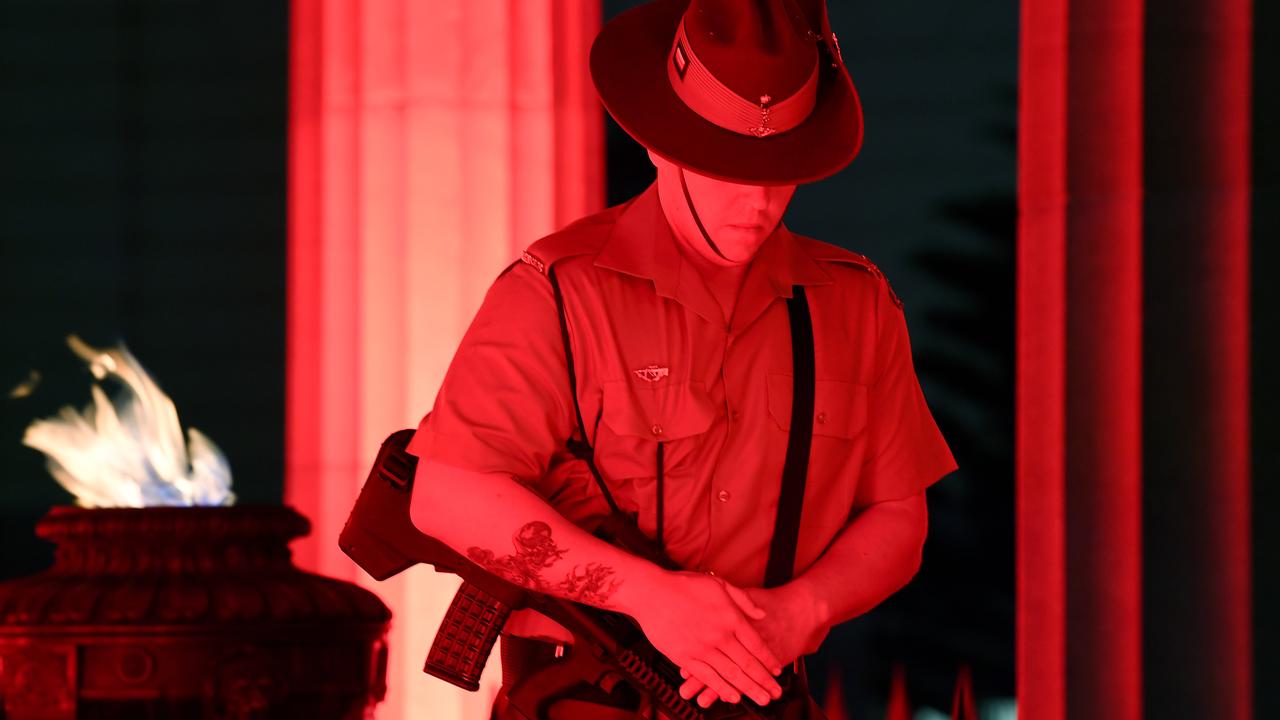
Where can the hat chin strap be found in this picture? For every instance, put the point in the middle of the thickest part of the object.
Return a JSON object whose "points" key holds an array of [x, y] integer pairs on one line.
{"points": [[689, 201]]}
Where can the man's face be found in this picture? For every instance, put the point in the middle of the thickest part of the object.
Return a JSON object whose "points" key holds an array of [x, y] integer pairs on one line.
{"points": [[737, 217]]}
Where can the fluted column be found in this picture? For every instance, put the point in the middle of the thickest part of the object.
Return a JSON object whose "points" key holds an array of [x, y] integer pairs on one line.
{"points": [[1199, 635], [429, 141], [1133, 360], [1079, 389]]}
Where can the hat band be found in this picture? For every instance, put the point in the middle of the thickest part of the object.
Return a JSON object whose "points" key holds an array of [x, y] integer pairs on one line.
{"points": [[716, 103]]}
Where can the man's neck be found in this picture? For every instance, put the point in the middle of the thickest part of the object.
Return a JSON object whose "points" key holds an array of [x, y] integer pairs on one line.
{"points": [[724, 281], [709, 270]]}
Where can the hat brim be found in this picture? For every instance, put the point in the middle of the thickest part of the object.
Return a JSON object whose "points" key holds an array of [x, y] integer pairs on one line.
{"points": [[628, 67]]}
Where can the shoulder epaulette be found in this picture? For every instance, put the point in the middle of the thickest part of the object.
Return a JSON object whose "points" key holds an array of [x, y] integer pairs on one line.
{"points": [[581, 237], [820, 250]]}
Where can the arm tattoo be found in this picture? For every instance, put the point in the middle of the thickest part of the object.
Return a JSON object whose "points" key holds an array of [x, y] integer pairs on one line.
{"points": [[535, 551]]}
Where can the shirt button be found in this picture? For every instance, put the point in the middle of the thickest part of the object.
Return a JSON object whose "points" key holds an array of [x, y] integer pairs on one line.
{"points": [[734, 415], [822, 417], [657, 429], [723, 495]]}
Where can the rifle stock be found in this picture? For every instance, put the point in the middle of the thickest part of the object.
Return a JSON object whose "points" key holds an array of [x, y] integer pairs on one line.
{"points": [[381, 538]]}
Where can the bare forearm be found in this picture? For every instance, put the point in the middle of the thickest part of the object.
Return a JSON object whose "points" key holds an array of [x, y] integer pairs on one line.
{"points": [[511, 531], [875, 555]]}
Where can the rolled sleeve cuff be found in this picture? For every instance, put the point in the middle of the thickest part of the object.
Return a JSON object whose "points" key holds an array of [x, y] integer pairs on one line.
{"points": [[464, 451]]}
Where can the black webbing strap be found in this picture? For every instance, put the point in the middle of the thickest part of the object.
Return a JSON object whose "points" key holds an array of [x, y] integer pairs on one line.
{"points": [[688, 199], [662, 493], [786, 528], [580, 449]]}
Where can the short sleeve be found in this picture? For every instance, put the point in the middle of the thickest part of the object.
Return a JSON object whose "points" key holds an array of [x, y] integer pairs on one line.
{"points": [[907, 452], [504, 405]]}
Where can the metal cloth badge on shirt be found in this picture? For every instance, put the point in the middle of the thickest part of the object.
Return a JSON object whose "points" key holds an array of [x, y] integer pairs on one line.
{"points": [[653, 373]]}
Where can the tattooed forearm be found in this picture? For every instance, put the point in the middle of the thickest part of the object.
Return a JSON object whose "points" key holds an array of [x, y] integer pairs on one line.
{"points": [[593, 585], [535, 551]]}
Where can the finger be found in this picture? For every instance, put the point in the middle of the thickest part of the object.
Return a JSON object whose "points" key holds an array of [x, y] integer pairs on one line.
{"points": [[706, 673], [754, 656], [754, 644], [691, 688], [707, 677], [739, 679], [763, 686], [707, 697], [744, 601]]}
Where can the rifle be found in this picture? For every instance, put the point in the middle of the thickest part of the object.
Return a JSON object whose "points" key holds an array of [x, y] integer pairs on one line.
{"points": [[609, 647]]}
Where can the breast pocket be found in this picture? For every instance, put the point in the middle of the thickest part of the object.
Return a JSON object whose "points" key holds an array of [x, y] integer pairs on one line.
{"points": [[839, 407], [634, 419]]}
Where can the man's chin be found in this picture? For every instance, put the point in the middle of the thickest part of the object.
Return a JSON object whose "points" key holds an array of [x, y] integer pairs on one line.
{"points": [[738, 242], [744, 253], [735, 255]]}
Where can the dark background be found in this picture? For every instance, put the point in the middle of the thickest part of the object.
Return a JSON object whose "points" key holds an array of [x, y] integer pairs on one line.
{"points": [[142, 198], [1265, 358]]}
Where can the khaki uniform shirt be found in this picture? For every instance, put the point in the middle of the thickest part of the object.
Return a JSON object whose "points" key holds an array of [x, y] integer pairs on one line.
{"points": [[656, 362]]}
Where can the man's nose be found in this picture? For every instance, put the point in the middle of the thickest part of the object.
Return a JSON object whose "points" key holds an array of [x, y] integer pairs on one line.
{"points": [[756, 200]]}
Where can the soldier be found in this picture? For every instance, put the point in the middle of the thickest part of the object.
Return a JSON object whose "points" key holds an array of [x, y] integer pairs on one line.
{"points": [[680, 309]]}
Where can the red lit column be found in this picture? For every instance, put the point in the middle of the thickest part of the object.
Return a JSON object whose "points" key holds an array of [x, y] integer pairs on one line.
{"points": [[1079, 390], [1133, 341], [1197, 436], [429, 141]]}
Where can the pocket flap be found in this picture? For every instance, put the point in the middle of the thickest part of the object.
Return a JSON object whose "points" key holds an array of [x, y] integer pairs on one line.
{"points": [[664, 411], [839, 407]]}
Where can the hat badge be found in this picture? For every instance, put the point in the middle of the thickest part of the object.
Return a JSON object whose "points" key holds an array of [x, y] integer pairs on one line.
{"points": [[763, 128]]}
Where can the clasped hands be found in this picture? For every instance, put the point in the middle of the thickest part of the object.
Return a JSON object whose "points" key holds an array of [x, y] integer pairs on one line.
{"points": [[730, 641]]}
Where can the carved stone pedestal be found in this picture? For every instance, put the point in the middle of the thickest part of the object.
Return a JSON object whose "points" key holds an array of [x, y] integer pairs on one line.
{"points": [[186, 613]]}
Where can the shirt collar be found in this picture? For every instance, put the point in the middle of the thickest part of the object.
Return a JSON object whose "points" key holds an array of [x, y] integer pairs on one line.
{"points": [[641, 244]]}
